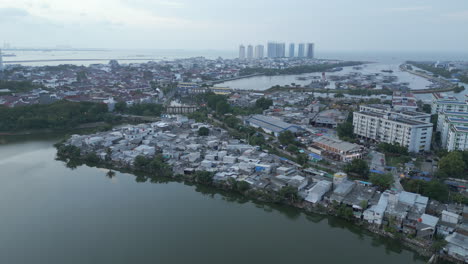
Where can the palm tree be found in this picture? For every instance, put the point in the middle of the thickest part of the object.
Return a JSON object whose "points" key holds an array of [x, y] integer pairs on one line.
{"points": [[110, 174]]}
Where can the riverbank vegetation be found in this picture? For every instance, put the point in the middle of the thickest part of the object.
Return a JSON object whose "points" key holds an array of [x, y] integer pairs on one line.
{"points": [[441, 72], [60, 115]]}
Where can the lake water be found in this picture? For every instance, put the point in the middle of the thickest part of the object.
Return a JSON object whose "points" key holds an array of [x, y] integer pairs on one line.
{"points": [[52, 214]]}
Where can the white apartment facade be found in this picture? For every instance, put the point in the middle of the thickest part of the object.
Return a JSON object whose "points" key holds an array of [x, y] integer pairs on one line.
{"points": [[393, 127], [457, 138], [442, 103]]}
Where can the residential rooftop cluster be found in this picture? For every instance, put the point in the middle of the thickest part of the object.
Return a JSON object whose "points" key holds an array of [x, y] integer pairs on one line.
{"points": [[178, 140], [131, 83]]}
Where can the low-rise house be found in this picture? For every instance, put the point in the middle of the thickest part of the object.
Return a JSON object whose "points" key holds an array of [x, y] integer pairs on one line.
{"points": [[375, 214], [426, 226], [340, 191], [316, 193], [457, 246]]}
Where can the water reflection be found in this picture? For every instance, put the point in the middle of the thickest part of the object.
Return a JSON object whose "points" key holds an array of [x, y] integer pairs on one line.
{"points": [[264, 225]]}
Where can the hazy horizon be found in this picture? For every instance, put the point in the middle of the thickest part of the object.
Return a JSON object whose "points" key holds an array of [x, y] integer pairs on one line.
{"points": [[334, 26]]}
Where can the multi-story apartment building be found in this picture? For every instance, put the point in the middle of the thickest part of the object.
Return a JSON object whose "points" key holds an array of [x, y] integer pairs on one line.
{"points": [[259, 52], [291, 50], [406, 128], [310, 50], [452, 122], [242, 52], [442, 116], [404, 101], [250, 52], [441, 103], [301, 50], [453, 127], [408, 114], [457, 138]]}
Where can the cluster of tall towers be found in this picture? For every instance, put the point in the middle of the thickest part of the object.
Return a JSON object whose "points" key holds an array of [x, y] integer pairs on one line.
{"points": [[256, 53], [277, 50]]}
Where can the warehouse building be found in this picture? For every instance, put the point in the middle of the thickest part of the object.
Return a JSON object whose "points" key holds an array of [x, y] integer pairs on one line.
{"points": [[271, 124]]}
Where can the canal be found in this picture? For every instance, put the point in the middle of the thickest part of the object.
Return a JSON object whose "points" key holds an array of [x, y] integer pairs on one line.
{"points": [[53, 214]]}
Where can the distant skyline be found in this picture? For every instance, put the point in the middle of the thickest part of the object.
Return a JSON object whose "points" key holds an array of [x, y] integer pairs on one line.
{"points": [[335, 25]]}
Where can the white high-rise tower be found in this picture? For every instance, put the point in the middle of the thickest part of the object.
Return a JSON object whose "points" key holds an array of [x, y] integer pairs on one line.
{"points": [[250, 52], [241, 52]]}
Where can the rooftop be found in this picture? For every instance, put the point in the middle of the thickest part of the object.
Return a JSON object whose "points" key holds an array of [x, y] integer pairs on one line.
{"points": [[337, 144], [272, 124]]}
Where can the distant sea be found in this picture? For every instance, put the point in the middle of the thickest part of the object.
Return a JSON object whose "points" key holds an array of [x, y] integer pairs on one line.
{"points": [[128, 56]]}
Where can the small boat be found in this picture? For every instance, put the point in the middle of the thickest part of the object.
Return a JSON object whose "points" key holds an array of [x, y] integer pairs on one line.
{"points": [[388, 71]]}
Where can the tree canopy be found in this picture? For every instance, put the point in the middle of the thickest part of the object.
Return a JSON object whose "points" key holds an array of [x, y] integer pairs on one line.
{"points": [[286, 138], [203, 131], [58, 115], [358, 167], [454, 165], [383, 182], [263, 103]]}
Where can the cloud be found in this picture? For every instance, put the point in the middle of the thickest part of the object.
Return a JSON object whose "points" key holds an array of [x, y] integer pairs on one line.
{"points": [[409, 9], [459, 16], [13, 12], [171, 4]]}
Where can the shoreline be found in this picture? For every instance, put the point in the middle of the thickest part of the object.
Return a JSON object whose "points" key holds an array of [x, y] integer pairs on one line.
{"points": [[421, 249], [452, 87]]}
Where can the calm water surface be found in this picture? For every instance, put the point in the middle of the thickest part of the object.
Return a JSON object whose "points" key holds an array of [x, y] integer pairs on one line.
{"points": [[52, 214]]}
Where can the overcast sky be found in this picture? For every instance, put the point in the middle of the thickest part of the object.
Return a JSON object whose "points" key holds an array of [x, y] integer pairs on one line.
{"points": [[334, 25]]}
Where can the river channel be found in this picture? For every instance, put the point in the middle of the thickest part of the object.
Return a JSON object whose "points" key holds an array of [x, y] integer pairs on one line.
{"points": [[53, 214]]}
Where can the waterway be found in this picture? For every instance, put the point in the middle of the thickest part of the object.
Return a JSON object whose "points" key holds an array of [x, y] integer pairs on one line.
{"points": [[53, 214], [261, 83]]}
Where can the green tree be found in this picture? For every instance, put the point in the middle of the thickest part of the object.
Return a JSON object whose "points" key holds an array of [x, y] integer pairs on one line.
{"points": [[434, 189], [110, 174], [223, 107], [359, 167], [345, 131], [242, 186], [263, 103], [286, 138], [203, 131], [92, 159], [257, 140], [204, 177], [292, 148], [383, 182], [289, 193], [452, 165], [141, 163], [302, 159], [426, 108], [393, 149]]}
